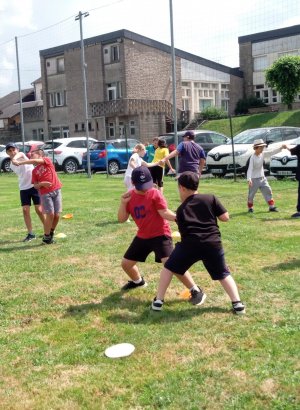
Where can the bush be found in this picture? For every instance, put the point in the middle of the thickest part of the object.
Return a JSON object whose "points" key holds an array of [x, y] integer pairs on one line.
{"points": [[244, 104], [213, 113]]}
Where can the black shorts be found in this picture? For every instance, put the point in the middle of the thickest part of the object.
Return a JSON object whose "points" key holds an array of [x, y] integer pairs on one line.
{"points": [[187, 253], [139, 249], [157, 174], [27, 195]]}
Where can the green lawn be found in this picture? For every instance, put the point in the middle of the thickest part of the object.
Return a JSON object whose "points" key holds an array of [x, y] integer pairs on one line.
{"points": [[274, 119], [61, 306]]}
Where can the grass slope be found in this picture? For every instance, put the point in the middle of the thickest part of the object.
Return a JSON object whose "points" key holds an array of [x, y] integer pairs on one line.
{"points": [[61, 306], [275, 119]]}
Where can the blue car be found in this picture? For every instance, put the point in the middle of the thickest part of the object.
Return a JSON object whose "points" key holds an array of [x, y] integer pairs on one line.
{"points": [[112, 155]]}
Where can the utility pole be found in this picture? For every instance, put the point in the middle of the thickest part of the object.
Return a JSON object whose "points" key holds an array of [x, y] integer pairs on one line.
{"points": [[173, 82], [20, 96], [83, 67]]}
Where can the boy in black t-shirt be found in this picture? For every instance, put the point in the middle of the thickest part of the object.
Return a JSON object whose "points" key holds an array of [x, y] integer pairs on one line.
{"points": [[200, 240]]}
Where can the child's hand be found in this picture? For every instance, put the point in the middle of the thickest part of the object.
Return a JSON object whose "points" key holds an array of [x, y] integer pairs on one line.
{"points": [[45, 184], [125, 198], [15, 162], [250, 183]]}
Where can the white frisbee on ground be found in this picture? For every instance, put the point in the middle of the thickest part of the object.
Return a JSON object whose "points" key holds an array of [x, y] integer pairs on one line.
{"points": [[61, 235], [119, 350]]}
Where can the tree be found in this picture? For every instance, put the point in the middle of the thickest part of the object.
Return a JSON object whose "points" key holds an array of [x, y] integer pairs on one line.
{"points": [[284, 77]]}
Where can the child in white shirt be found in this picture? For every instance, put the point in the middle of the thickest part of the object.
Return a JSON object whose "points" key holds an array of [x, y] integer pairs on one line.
{"points": [[256, 177]]}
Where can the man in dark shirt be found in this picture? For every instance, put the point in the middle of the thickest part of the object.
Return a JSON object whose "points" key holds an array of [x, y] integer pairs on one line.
{"points": [[191, 155], [200, 240], [296, 151]]}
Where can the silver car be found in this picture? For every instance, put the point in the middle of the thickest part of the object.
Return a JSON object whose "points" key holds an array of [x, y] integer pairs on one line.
{"points": [[284, 164]]}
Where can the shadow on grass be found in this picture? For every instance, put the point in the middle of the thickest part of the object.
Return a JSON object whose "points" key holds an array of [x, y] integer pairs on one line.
{"points": [[136, 311], [290, 264], [114, 222], [18, 246]]}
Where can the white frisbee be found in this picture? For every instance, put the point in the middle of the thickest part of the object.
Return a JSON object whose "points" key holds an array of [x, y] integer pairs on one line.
{"points": [[119, 350], [61, 235]]}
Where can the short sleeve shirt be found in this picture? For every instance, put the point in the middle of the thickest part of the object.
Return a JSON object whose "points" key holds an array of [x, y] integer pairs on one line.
{"points": [[296, 151], [24, 173], [46, 172], [197, 218], [190, 154], [144, 210]]}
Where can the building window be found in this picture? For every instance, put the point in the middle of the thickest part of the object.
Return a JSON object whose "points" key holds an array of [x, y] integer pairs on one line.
{"points": [[185, 104], [132, 128], [260, 63], [57, 99], [224, 105], [111, 129], [203, 104], [274, 96], [82, 126], [114, 53], [55, 131], [114, 91], [60, 65], [76, 127], [65, 132], [41, 133]]}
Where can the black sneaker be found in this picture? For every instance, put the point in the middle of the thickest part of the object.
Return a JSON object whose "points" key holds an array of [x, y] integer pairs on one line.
{"points": [[52, 234], [29, 237], [274, 209], [131, 285], [197, 297], [157, 304], [238, 307], [47, 239], [296, 215], [250, 210]]}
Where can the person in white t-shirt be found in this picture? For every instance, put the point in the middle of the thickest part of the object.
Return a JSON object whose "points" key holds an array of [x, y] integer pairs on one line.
{"points": [[136, 160], [28, 193], [256, 177]]}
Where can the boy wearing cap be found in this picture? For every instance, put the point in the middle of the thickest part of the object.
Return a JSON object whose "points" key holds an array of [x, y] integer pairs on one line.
{"points": [[200, 240], [44, 178], [256, 177], [27, 191], [149, 210], [192, 156]]}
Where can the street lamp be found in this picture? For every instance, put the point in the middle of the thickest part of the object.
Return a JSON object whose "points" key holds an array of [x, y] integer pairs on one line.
{"points": [[83, 66]]}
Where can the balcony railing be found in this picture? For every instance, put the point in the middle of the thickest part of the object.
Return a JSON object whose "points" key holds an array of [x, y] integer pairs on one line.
{"points": [[126, 106]]}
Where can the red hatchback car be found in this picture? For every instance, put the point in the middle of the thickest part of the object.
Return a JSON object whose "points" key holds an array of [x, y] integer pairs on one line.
{"points": [[29, 146]]}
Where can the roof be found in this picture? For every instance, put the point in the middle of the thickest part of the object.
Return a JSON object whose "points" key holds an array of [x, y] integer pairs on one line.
{"points": [[13, 97], [118, 35], [270, 35], [14, 109]]}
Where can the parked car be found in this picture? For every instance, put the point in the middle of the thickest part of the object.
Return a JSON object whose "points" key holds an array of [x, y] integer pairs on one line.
{"points": [[67, 153], [284, 164], [207, 139], [219, 160], [28, 147], [114, 153]]}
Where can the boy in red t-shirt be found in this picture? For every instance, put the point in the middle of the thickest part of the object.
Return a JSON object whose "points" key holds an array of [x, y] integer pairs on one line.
{"points": [[45, 179], [149, 210]]}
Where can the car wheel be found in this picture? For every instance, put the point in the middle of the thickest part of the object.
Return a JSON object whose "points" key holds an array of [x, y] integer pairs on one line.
{"points": [[113, 167], [70, 166], [6, 165]]}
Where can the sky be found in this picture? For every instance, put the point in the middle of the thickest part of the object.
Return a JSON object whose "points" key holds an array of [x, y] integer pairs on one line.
{"points": [[209, 29]]}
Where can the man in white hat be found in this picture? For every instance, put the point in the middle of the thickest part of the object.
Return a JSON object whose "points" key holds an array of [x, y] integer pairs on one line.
{"points": [[256, 177]]}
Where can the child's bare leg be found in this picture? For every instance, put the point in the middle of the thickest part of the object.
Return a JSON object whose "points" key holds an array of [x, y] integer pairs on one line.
{"points": [[164, 282], [230, 288], [130, 267]]}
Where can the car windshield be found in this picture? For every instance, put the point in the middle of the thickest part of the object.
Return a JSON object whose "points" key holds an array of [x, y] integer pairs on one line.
{"points": [[248, 136], [48, 145], [97, 146]]}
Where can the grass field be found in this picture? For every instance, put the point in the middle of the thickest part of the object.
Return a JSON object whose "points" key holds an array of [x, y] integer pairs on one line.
{"points": [[61, 307], [274, 119]]}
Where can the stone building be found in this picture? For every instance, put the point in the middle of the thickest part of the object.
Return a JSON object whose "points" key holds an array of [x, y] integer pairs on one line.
{"points": [[129, 87], [258, 52]]}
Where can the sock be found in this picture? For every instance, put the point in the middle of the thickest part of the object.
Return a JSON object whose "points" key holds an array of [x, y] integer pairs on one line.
{"points": [[137, 281], [271, 203], [195, 287]]}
